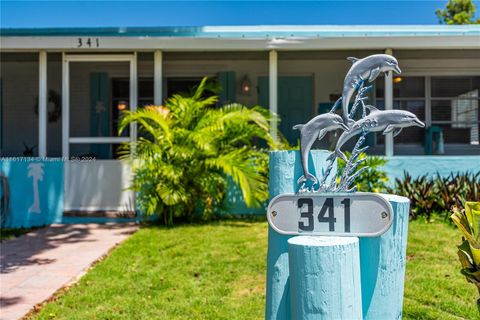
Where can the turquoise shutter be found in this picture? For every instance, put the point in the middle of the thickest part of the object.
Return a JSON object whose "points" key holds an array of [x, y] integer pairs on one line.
{"points": [[1, 117], [100, 112], [227, 80]]}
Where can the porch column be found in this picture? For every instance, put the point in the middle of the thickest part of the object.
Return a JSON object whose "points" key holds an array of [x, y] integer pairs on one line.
{"points": [[42, 103], [273, 89], [157, 78], [389, 106], [65, 108], [133, 95]]}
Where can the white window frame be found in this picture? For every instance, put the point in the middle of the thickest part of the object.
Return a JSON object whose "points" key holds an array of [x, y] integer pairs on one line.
{"points": [[428, 98], [66, 59]]}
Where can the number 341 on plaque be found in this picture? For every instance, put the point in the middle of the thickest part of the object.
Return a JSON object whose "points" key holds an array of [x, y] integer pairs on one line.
{"points": [[358, 214]]}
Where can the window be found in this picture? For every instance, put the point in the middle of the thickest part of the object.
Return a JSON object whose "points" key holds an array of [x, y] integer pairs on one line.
{"points": [[455, 104], [408, 94], [453, 107]]}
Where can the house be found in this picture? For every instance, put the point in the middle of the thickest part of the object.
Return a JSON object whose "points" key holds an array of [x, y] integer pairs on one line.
{"points": [[63, 89]]}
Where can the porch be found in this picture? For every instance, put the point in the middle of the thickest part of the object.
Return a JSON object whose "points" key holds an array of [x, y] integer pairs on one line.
{"points": [[65, 105]]}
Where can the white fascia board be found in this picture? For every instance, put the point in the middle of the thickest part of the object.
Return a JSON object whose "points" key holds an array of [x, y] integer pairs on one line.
{"points": [[226, 44]]}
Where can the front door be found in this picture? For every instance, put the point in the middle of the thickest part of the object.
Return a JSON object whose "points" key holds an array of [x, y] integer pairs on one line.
{"points": [[295, 100]]}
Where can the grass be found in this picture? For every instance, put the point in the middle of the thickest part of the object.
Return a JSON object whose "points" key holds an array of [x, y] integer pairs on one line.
{"points": [[434, 287], [217, 271]]}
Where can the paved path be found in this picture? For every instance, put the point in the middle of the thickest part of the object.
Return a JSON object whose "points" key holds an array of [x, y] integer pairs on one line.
{"points": [[37, 264]]}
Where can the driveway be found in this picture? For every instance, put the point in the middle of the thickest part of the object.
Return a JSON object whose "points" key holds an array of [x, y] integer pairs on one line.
{"points": [[37, 264]]}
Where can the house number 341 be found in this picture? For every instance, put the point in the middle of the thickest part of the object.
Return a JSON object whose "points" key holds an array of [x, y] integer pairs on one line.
{"points": [[326, 214], [88, 43]]}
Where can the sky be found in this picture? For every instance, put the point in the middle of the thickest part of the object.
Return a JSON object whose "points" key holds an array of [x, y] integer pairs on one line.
{"points": [[25, 14]]}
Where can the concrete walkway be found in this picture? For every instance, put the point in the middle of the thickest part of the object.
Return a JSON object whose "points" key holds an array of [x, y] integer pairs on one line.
{"points": [[39, 263]]}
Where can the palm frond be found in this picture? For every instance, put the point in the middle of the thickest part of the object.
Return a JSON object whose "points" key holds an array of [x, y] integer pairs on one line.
{"points": [[149, 120], [238, 165]]}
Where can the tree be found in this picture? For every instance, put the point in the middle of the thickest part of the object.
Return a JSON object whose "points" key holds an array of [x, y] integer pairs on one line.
{"points": [[458, 12], [189, 148]]}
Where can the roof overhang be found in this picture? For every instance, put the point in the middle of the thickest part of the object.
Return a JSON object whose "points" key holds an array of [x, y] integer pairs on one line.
{"points": [[243, 38]]}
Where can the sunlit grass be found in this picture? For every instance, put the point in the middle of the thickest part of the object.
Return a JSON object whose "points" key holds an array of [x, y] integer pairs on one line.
{"points": [[434, 287], [217, 271]]}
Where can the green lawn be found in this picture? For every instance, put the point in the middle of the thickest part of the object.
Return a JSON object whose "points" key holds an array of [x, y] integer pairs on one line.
{"points": [[217, 271]]}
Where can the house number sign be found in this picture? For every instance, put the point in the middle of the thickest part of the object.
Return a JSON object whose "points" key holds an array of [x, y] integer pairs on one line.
{"points": [[88, 43], [336, 214]]}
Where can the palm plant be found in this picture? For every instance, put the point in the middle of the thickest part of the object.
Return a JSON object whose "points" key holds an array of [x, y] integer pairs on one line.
{"points": [[188, 149]]}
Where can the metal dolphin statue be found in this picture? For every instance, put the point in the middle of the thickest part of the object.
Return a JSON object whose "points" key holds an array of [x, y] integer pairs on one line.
{"points": [[377, 120], [309, 132], [366, 69]]}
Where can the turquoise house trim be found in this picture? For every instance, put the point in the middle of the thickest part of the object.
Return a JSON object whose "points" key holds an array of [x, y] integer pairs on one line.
{"points": [[36, 191], [430, 165], [251, 31]]}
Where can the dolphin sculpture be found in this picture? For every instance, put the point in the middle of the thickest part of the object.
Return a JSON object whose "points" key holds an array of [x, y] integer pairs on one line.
{"points": [[366, 69], [309, 132], [377, 120]]}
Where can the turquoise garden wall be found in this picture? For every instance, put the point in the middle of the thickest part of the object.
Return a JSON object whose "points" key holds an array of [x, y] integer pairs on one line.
{"points": [[395, 167], [430, 165], [35, 191], [36, 187]]}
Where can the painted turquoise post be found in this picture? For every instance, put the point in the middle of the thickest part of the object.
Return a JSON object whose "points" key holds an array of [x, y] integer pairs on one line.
{"points": [[382, 265], [285, 169], [325, 278]]}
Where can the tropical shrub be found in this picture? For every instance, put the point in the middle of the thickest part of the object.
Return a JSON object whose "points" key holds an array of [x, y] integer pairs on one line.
{"points": [[468, 221], [373, 179], [437, 194], [420, 192], [187, 150], [457, 189]]}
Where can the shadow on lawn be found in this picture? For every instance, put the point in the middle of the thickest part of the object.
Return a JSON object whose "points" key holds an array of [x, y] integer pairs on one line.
{"points": [[28, 249]]}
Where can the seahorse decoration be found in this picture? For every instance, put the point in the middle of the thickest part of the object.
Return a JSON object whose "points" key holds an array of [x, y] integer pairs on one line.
{"points": [[362, 71]]}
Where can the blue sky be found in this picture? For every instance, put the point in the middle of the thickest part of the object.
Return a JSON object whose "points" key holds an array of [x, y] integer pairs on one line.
{"points": [[24, 14]]}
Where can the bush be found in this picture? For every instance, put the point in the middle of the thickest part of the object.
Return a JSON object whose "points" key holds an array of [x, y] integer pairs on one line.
{"points": [[189, 148], [438, 194], [419, 191], [372, 179]]}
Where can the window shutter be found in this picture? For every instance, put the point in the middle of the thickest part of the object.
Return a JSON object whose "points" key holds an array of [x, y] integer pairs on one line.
{"points": [[227, 80]]}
